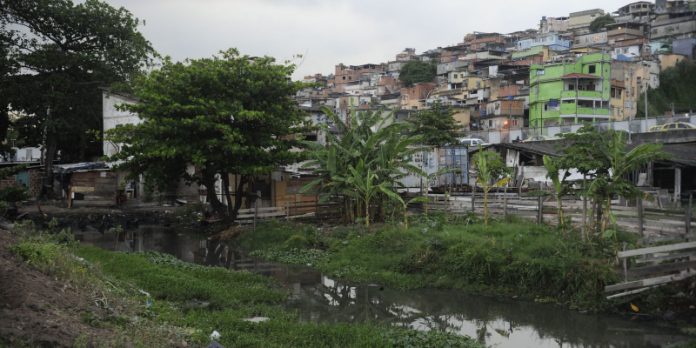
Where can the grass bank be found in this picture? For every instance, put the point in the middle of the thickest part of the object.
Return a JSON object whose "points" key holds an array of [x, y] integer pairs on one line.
{"points": [[165, 302], [513, 258]]}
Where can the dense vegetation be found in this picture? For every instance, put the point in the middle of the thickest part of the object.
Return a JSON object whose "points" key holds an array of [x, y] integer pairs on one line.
{"points": [[362, 167], [56, 56], [436, 125], [599, 23], [181, 301], [416, 71], [606, 162], [515, 258], [677, 89], [229, 114]]}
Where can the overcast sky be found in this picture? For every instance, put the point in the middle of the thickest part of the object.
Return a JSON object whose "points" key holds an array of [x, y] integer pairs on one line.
{"points": [[328, 32]]}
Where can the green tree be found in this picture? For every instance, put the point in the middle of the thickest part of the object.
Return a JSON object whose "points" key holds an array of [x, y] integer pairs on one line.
{"points": [[491, 172], [363, 163], [229, 114], [436, 125], [606, 161], [66, 52], [600, 22], [416, 71], [6, 70], [677, 89]]}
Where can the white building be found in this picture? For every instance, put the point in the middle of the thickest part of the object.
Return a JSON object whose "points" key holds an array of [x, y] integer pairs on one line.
{"points": [[113, 117]]}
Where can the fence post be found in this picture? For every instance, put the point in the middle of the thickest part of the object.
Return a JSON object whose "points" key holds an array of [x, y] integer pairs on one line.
{"points": [[641, 228], [473, 200], [505, 213], [688, 217], [256, 208], [540, 210], [625, 264]]}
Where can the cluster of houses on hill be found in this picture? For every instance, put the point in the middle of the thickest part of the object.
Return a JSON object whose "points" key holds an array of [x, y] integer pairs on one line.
{"points": [[557, 74], [553, 77]]}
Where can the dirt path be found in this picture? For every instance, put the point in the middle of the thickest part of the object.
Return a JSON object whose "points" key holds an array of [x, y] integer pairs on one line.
{"points": [[39, 310]]}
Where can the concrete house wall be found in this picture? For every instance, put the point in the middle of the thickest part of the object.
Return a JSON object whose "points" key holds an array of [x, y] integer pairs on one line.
{"points": [[113, 117], [551, 100]]}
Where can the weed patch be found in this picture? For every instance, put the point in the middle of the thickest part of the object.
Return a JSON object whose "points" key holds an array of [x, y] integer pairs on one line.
{"points": [[510, 257]]}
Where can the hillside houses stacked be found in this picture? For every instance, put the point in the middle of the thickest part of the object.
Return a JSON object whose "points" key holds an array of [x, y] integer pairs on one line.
{"points": [[560, 73]]}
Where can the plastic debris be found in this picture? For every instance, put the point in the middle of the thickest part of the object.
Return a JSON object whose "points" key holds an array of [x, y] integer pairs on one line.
{"points": [[215, 335]]}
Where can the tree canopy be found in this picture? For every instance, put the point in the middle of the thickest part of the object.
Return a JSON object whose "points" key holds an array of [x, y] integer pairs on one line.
{"points": [[66, 51], [600, 22], [677, 88], [229, 114], [436, 126], [416, 71]]}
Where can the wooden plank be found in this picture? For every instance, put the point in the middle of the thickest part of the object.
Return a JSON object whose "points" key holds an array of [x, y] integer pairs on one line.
{"points": [[82, 189], [661, 269], [265, 209], [667, 257], [657, 249], [648, 282], [637, 291], [260, 215]]}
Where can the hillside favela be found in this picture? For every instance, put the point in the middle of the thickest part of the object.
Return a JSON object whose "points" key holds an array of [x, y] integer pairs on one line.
{"points": [[304, 174]]}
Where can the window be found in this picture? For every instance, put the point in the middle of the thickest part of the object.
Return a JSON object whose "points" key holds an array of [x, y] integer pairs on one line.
{"points": [[585, 103], [615, 93], [592, 69], [571, 87]]}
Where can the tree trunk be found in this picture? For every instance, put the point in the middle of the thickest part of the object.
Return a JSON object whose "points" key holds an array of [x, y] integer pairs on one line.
{"points": [[239, 194], [598, 220], [485, 206], [209, 182], [560, 213], [50, 155], [367, 211], [226, 191]]}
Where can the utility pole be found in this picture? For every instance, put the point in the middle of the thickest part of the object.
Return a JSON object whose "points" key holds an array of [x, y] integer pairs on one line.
{"points": [[646, 103], [629, 92]]}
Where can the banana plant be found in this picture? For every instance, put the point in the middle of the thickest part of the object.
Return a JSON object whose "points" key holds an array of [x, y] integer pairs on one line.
{"points": [[560, 186], [363, 161], [491, 172]]}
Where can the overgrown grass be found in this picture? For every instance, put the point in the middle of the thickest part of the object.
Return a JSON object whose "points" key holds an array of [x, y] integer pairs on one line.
{"points": [[117, 307], [508, 258], [187, 302], [233, 296]]}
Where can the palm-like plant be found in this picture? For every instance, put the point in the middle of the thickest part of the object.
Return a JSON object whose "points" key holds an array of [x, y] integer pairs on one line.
{"points": [[560, 186], [605, 160], [490, 173], [622, 162], [363, 162]]}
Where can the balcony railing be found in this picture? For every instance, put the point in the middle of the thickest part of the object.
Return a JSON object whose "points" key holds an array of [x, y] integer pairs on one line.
{"points": [[581, 94]]}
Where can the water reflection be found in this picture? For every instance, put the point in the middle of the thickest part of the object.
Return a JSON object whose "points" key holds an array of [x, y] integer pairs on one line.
{"points": [[495, 322]]}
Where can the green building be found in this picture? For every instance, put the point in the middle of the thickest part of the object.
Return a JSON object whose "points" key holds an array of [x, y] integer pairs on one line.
{"points": [[570, 92]]}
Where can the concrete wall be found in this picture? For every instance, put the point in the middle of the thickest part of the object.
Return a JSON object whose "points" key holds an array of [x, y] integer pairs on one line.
{"points": [[113, 117]]}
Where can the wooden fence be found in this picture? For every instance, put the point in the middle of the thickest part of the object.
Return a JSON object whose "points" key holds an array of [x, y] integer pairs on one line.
{"points": [[647, 268], [654, 225], [641, 269], [291, 211]]}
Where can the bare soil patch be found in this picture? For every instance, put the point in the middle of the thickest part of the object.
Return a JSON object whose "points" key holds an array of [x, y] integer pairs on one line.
{"points": [[39, 310]]}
